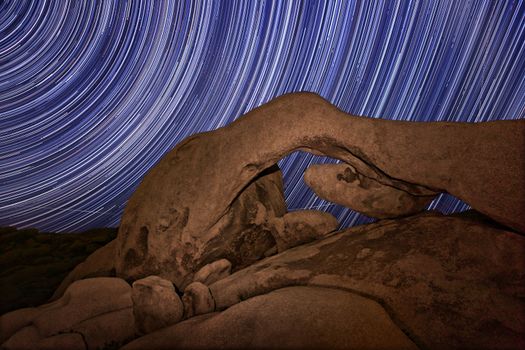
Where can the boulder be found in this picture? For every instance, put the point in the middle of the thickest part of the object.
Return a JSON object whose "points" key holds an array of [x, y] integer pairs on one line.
{"points": [[289, 318], [302, 226], [448, 282], [189, 209], [155, 304], [197, 300], [92, 313], [213, 272], [83, 300], [342, 184], [14, 321], [101, 263]]}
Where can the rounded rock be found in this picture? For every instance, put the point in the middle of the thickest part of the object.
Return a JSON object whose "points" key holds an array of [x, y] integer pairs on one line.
{"points": [[155, 304]]}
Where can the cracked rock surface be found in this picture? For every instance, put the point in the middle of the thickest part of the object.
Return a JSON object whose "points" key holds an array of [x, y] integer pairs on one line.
{"points": [[446, 281]]}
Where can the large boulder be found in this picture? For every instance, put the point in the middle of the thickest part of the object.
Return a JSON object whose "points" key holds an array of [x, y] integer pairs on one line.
{"points": [[92, 313], [186, 213], [289, 318], [448, 282]]}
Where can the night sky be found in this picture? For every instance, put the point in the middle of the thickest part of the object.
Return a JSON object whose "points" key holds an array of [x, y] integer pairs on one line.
{"points": [[93, 93]]}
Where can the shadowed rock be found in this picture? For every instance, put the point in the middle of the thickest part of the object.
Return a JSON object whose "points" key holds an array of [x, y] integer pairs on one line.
{"points": [[197, 300], [302, 226], [448, 282], [155, 304], [288, 318], [341, 184], [101, 263], [179, 217], [98, 310], [213, 272]]}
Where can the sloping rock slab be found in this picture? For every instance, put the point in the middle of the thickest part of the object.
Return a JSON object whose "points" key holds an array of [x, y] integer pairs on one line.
{"points": [[447, 282], [295, 317]]}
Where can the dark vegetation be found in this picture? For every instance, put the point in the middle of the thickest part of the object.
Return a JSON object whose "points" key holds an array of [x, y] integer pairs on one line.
{"points": [[33, 263]]}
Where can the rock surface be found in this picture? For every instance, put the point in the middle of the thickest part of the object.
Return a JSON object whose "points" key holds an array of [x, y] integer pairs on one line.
{"points": [[302, 226], [241, 234], [97, 309], [156, 305], [197, 300], [213, 272], [173, 230], [447, 282], [34, 263], [101, 263], [342, 184], [291, 318]]}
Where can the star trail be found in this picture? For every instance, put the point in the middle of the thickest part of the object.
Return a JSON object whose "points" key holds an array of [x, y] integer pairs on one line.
{"points": [[93, 93]]}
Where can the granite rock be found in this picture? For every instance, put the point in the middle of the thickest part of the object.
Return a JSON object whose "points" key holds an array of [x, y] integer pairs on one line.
{"points": [[183, 216]]}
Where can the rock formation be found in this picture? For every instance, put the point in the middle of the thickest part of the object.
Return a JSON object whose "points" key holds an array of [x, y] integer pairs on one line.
{"points": [[183, 215], [156, 305], [93, 313], [209, 221], [342, 184], [287, 318]]}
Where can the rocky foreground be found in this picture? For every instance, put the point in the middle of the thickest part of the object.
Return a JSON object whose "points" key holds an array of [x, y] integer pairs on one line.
{"points": [[33, 263], [207, 255]]}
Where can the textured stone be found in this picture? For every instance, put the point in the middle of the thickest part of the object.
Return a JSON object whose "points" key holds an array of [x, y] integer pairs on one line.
{"points": [[302, 226], [14, 321], [448, 281], [241, 235], [289, 318], [100, 309], [197, 300], [84, 299], [101, 263], [25, 338], [182, 215], [342, 184], [107, 330], [66, 341], [155, 304], [213, 272]]}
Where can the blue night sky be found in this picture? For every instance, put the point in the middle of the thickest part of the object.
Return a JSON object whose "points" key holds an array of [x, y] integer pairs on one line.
{"points": [[93, 93]]}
